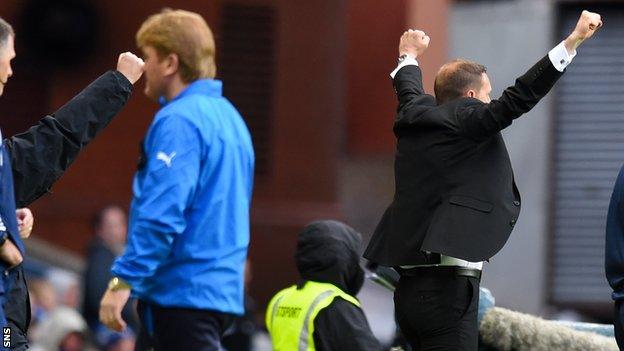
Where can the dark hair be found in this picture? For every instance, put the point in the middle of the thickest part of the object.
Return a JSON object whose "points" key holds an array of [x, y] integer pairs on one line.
{"points": [[455, 77], [5, 31]]}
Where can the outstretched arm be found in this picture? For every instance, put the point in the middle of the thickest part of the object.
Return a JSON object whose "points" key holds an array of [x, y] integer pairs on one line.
{"points": [[42, 154], [407, 76], [408, 85], [481, 120]]}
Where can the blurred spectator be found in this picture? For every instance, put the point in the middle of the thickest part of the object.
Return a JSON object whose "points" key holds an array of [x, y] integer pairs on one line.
{"points": [[109, 226], [110, 340], [63, 330], [66, 285], [43, 300], [53, 298]]}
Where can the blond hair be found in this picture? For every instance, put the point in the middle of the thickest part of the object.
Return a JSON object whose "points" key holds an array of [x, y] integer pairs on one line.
{"points": [[185, 34], [5, 32]]}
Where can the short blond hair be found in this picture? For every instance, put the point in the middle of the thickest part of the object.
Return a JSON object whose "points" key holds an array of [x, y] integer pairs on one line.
{"points": [[6, 31], [183, 33]]}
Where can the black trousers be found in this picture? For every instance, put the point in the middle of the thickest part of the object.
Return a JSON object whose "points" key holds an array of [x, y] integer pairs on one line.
{"points": [[436, 309], [170, 329], [618, 320], [17, 309]]}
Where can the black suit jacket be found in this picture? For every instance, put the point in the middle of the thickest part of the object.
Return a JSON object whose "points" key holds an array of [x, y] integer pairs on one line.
{"points": [[455, 192]]}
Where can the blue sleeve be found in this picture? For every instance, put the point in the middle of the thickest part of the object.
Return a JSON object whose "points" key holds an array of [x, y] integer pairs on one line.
{"points": [[163, 190]]}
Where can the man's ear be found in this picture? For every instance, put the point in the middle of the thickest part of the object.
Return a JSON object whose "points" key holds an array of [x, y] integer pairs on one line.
{"points": [[471, 93], [172, 63]]}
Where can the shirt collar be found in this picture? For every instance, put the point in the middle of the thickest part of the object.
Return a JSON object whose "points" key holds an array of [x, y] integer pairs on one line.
{"points": [[209, 87]]}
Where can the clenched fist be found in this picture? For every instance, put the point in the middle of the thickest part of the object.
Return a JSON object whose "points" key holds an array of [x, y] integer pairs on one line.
{"points": [[130, 66], [586, 26], [25, 222], [413, 42]]}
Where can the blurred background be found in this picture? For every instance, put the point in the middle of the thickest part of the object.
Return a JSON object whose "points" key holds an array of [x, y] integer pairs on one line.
{"points": [[311, 80]]}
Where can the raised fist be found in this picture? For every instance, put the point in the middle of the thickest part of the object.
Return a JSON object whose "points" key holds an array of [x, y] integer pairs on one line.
{"points": [[130, 66], [25, 222], [587, 25], [413, 42]]}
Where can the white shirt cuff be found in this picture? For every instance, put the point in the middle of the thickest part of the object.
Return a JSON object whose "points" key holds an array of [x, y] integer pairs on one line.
{"points": [[407, 62], [560, 57]]}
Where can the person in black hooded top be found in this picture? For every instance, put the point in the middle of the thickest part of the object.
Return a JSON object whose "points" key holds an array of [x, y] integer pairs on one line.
{"points": [[324, 300]]}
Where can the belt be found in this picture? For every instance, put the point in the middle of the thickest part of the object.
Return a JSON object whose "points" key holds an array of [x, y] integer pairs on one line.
{"points": [[450, 261], [424, 270]]}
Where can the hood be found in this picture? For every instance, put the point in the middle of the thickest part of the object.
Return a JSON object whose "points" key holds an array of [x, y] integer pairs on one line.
{"points": [[329, 251]]}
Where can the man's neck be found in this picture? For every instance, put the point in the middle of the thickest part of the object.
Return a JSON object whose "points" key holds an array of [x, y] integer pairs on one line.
{"points": [[175, 88]]}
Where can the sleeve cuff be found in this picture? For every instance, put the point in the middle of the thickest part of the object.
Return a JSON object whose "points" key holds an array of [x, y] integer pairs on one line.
{"points": [[409, 61], [123, 81], [560, 57], [119, 269]]}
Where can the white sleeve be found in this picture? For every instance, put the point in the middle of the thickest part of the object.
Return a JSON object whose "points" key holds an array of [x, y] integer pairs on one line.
{"points": [[407, 62], [560, 57]]}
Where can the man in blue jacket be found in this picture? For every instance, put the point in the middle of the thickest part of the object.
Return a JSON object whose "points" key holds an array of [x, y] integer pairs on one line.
{"points": [[614, 255], [189, 218]]}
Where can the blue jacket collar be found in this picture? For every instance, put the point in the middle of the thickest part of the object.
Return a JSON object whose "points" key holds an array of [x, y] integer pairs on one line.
{"points": [[209, 87]]}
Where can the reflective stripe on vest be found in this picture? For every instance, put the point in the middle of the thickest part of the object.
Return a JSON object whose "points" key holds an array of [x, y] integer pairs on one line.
{"points": [[291, 313]]}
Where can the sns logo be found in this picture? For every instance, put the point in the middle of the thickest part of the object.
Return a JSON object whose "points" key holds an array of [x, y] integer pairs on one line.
{"points": [[6, 337], [167, 159]]}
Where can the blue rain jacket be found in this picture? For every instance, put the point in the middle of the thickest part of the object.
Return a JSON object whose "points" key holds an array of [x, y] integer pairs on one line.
{"points": [[188, 228]]}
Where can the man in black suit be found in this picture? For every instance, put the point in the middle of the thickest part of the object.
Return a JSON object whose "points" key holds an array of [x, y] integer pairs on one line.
{"points": [[455, 201]]}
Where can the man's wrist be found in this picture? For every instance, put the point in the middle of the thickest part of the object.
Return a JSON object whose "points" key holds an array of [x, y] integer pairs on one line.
{"points": [[572, 42], [116, 284]]}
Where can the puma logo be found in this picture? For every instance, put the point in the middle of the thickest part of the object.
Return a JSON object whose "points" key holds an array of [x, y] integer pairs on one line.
{"points": [[165, 158]]}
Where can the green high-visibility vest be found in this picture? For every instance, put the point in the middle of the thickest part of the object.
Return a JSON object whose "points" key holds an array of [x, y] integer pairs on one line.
{"points": [[291, 313]]}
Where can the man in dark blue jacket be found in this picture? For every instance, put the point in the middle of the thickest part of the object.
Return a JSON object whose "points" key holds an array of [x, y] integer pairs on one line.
{"points": [[614, 254], [32, 161]]}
